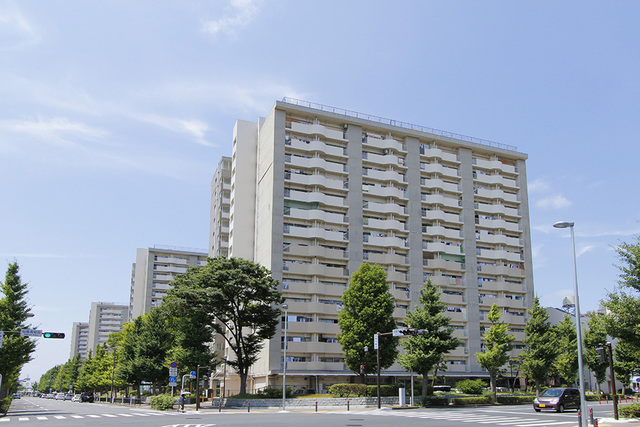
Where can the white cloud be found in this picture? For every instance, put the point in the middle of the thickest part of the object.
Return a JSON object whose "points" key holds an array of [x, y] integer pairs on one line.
{"points": [[16, 33], [195, 128], [538, 184], [584, 249], [58, 130], [553, 202], [241, 14]]}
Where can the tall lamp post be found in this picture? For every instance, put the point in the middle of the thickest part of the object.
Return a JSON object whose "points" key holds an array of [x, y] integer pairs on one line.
{"points": [[285, 307], [583, 403]]}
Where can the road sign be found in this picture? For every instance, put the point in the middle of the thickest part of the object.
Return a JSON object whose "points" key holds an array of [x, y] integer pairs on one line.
{"points": [[192, 374], [173, 379], [375, 341], [174, 364], [173, 372], [30, 332]]}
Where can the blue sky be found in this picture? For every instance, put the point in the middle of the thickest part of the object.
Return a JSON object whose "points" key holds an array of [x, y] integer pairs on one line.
{"points": [[114, 116]]}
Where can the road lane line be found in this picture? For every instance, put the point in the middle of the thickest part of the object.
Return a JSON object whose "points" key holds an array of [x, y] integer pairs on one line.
{"points": [[109, 415], [125, 415]]}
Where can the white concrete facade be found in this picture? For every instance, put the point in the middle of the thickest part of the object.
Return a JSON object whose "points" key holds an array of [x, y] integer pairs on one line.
{"points": [[105, 318], [153, 272], [220, 209], [317, 191], [79, 340]]}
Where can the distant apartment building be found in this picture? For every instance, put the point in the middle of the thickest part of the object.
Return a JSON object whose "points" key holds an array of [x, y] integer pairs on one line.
{"points": [[316, 191], [153, 272], [220, 204], [105, 318], [79, 340]]}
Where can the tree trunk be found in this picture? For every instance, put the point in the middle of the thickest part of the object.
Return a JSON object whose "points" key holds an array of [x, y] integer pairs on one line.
{"points": [[243, 382], [493, 385], [425, 386]]}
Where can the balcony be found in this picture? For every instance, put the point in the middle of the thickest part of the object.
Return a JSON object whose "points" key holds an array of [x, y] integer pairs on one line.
{"points": [[498, 254], [384, 175], [499, 239], [317, 215], [437, 153], [385, 208], [497, 209], [315, 270], [384, 144], [440, 169], [386, 241], [442, 247], [387, 159], [384, 224], [441, 264], [316, 196], [495, 165], [315, 288], [442, 231], [437, 183], [379, 191], [439, 199], [318, 146], [438, 215], [497, 194], [316, 180], [316, 163], [502, 270], [317, 129], [387, 259], [316, 251], [494, 180]]}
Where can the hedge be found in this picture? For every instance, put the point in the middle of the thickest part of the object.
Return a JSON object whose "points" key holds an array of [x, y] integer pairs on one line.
{"points": [[630, 411], [162, 402], [469, 401], [385, 390], [347, 389], [515, 400], [471, 386], [435, 401]]}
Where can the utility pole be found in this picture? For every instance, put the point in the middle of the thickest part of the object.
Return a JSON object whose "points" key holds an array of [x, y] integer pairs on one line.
{"points": [[613, 382]]}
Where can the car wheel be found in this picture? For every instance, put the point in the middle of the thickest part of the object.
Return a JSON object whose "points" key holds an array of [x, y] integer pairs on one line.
{"points": [[560, 408]]}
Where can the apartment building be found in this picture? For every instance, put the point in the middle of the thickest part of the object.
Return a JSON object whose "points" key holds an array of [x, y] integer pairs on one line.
{"points": [[220, 205], [79, 340], [105, 318], [317, 190], [153, 272]]}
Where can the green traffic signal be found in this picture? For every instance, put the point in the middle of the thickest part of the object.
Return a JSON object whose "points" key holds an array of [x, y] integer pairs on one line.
{"points": [[53, 335]]}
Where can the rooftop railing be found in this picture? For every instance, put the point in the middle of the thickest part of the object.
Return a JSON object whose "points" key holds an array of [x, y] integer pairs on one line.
{"points": [[391, 122]]}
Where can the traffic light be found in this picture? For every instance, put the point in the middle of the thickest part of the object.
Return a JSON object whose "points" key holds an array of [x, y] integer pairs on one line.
{"points": [[602, 354], [53, 335], [362, 369]]}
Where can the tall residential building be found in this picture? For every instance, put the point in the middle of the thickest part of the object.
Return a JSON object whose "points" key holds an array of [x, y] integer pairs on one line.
{"points": [[220, 202], [79, 340], [316, 191], [105, 318], [153, 271]]}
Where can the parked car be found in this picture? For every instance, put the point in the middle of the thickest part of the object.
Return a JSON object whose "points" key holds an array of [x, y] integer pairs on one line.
{"points": [[87, 396], [75, 398], [68, 396], [16, 396], [60, 396], [557, 399]]}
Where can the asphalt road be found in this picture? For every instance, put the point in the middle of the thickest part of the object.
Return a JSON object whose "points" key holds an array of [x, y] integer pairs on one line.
{"points": [[31, 411]]}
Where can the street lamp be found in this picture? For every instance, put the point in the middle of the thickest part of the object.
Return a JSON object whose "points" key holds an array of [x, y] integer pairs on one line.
{"points": [[583, 403], [285, 307]]}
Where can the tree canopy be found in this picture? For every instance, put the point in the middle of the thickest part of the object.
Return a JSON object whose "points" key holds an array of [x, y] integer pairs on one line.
{"points": [[425, 352], [367, 308], [541, 345], [14, 312], [497, 345], [235, 298]]}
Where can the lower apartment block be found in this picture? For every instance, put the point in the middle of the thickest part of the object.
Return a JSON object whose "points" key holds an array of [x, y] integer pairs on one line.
{"points": [[316, 191]]}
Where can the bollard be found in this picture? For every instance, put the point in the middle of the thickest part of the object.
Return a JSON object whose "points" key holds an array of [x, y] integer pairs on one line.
{"points": [[599, 399], [347, 406], [220, 406], [316, 406], [596, 424], [579, 417], [248, 406], [607, 399], [591, 416]]}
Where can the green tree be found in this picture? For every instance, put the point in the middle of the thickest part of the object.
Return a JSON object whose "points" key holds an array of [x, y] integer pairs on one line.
{"points": [[624, 303], [596, 336], [144, 345], [235, 298], [14, 312], [541, 345], [566, 363], [627, 361], [47, 380], [367, 308], [497, 345], [424, 353]]}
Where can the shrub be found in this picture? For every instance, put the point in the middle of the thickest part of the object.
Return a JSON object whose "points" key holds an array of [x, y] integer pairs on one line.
{"points": [[469, 401], [630, 411], [471, 386], [275, 393], [162, 402], [515, 400], [488, 395], [435, 401], [4, 404], [346, 390], [385, 390]]}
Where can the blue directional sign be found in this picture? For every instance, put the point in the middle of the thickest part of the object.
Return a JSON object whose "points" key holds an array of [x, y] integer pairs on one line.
{"points": [[192, 374], [173, 379]]}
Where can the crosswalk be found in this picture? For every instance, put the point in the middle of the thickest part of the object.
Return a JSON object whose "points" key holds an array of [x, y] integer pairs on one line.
{"points": [[86, 416], [479, 418]]}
